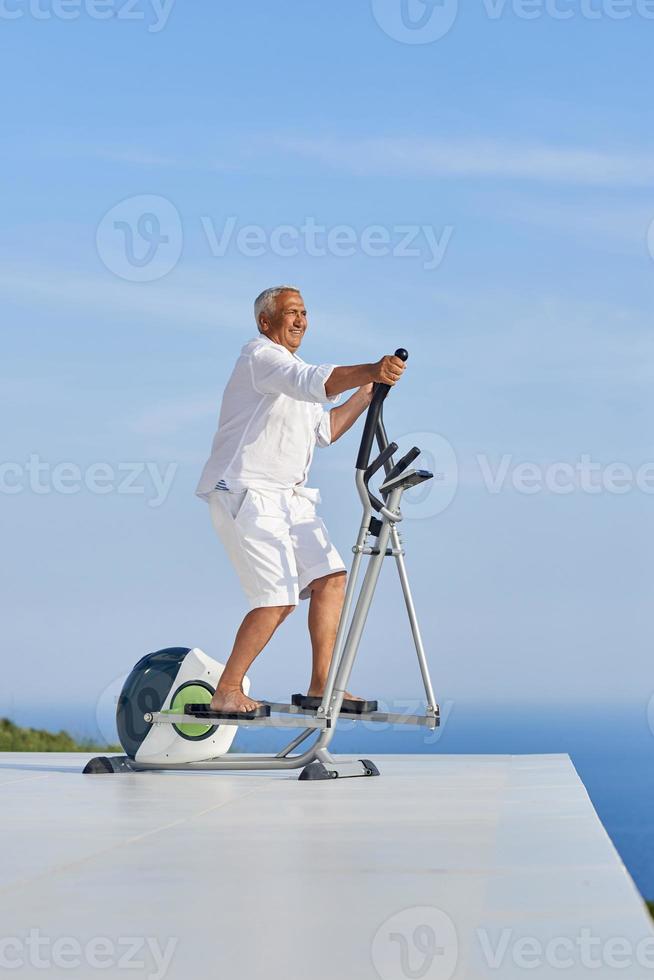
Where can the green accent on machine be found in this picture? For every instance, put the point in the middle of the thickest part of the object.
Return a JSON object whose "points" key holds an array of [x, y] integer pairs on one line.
{"points": [[188, 694]]}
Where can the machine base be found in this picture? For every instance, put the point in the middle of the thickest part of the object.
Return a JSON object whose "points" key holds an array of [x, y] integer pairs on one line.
{"points": [[332, 769], [105, 763], [339, 770]]}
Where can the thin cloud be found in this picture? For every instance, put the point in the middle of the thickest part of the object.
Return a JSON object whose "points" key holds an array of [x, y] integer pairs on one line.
{"points": [[188, 302], [612, 227], [391, 156], [506, 338], [403, 157]]}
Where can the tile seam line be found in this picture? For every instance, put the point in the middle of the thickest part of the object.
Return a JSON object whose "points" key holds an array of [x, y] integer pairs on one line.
{"points": [[63, 868]]}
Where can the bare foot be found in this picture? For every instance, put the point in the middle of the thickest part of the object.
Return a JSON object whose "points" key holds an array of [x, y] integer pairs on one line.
{"points": [[232, 700], [316, 692]]}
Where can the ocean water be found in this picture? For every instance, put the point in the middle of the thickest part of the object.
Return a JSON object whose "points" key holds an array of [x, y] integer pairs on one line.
{"points": [[611, 747]]}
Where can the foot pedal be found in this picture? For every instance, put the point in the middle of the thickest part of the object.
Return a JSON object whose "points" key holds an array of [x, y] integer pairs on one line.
{"points": [[204, 711], [349, 707]]}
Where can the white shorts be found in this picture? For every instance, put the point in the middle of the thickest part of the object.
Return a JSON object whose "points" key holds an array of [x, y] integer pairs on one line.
{"points": [[275, 541]]}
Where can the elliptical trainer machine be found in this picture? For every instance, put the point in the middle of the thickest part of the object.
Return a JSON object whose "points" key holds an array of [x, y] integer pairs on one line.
{"points": [[158, 729]]}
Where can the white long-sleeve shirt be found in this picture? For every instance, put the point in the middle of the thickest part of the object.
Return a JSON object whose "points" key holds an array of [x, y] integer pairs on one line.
{"points": [[271, 418]]}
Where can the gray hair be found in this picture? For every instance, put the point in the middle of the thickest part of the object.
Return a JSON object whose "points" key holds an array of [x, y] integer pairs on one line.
{"points": [[265, 301]]}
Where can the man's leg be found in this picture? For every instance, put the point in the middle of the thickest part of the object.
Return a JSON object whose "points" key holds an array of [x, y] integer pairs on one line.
{"points": [[325, 605], [253, 634]]}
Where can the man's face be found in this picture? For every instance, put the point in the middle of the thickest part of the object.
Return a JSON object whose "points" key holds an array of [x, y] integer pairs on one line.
{"points": [[289, 323]]}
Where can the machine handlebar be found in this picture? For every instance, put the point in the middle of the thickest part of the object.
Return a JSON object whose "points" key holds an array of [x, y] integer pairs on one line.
{"points": [[383, 457], [403, 463], [374, 415]]}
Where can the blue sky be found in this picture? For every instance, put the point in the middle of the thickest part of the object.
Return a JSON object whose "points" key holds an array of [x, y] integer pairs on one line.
{"points": [[511, 156]]}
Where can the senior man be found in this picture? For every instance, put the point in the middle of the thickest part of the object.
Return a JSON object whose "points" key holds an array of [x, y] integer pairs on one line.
{"points": [[271, 419]]}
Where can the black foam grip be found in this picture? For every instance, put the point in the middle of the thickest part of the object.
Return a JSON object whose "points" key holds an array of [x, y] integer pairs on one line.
{"points": [[372, 417], [403, 463]]}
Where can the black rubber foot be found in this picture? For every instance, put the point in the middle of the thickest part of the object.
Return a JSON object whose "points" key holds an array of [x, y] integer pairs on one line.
{"points": [[349, 707], [202, 711], [103, 763], [316, 770]]}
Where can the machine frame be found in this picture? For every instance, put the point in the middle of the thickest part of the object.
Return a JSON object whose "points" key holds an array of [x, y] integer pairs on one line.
{"points": [[378, 538]]}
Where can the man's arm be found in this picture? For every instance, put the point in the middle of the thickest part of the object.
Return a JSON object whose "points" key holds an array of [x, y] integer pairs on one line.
{"points": [[344, 417], [386, 371], [275, 372]]}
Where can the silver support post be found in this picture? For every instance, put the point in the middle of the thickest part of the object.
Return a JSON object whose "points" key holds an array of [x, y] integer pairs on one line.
{"points": [[413, 620], [361, 611], [353, 576], [283, 753]]}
